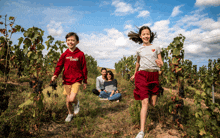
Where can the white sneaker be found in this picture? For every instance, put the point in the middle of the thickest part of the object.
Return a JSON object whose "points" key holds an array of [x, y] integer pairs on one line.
{"points": [[140, 135], [69, 118], [76, 108], [103, 98]]}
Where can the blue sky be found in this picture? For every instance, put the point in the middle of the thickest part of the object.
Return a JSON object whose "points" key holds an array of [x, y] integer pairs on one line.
{"points": [[103, 26]]}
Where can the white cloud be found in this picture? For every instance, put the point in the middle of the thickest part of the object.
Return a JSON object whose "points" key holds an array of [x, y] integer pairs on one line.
{"points": [[202, 34], [196, 49], [147, 24], [55, 28], [128, 26], [104, 3], [176, 11], [111, 46], [123, 8], [207, 3], [162, 25], [209, 24], [143, 14]]}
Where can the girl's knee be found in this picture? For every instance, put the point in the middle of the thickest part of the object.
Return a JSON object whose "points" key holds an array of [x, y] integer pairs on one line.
{"points": [[145, 102]]}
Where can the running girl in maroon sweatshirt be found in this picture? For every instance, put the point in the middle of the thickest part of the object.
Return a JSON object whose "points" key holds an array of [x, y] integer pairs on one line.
{"points": [[75, 71]]}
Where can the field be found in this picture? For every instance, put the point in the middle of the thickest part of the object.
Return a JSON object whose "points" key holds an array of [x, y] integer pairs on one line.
{"points": [[96, 118]]}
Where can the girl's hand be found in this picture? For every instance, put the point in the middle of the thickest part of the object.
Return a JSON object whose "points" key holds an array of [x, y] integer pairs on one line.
{"points": [[116, 91], [105, 90], [53, 78], [159, 62], [132, 78]]}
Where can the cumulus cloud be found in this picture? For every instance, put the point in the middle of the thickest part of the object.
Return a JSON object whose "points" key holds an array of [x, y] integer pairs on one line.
{"points": [[176, 11], [55, 28], [110, 45], [202, 34], [122, 8], [128, 26], [209, 24], [143, 14], [196, 48], [207, 3]]}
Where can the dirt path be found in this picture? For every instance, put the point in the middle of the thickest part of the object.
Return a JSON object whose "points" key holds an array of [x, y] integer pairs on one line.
{"points": [[113, 120]]}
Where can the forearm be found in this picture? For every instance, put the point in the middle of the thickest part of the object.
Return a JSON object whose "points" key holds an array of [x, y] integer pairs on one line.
{"points": [[136, 67]]}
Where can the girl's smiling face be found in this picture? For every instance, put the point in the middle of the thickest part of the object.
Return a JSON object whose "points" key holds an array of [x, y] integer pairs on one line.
{"points": [[145, 36], [109, 77], [71, 42]]}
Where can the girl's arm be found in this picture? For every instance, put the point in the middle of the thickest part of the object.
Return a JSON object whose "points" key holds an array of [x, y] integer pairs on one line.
{"points": [[112, 93], [159, 61], [136, 67]]}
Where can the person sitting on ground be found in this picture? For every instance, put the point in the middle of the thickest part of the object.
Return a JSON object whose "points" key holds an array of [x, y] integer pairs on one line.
{"points": [[100, 82], [110, 91]]}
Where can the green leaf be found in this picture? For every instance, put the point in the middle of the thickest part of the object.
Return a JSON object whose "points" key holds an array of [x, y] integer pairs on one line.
{"points": [[176, 52], [29, 53], [40, 104], [25, 50], [174, 61], [36, 56], [20, 41], [198, 92], [203, 94], [34, 114], [200, 123], [170, 108], [11, 18], [20, 111], [22, 29], [40, 47], [202, 131], [26, 103], [18, 28], [33, 94], [176, 41], [35, 36]]}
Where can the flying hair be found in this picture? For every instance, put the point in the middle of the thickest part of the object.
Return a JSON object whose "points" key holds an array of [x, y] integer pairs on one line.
{"points": [[136, 36]]}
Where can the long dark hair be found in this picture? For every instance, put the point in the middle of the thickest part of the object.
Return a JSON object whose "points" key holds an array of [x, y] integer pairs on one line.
{"points": [[136, 36], [112, 75]]}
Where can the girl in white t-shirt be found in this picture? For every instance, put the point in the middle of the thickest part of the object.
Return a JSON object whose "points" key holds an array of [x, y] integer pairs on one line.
{"points": [[146, 74]]}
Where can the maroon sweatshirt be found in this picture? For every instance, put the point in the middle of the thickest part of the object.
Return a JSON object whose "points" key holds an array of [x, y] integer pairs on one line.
{"points": [[74, 64]]}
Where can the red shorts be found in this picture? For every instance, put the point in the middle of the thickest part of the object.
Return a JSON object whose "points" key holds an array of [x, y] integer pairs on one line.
{"points": [[146, 83]]}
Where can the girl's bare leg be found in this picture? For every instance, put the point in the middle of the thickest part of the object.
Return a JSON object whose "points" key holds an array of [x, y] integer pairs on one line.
{"points": [[153, 100], [143, 113]]}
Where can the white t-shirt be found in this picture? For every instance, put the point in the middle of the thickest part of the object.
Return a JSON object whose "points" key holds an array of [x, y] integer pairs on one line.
{"points": [[100, 83], [148, 55]]}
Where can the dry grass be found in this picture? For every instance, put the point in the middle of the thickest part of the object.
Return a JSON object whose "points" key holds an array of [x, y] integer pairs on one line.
{"points": [[96, 118]]}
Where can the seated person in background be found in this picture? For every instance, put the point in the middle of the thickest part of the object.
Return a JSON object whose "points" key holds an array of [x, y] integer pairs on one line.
{"points": [[100, 82], [110, 88]]}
